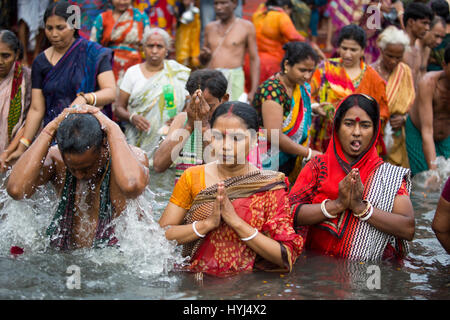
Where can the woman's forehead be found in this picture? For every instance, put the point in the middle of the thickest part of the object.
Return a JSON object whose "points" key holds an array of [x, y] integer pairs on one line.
{"points": [[357, 112], [156, 38]]}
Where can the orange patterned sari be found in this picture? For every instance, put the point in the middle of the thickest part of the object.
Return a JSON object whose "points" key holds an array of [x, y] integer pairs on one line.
{"points": [[260, 199]]}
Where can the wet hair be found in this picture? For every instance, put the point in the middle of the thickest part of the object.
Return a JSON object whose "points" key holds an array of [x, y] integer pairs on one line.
{"points": [[210, 79], [60, 9], [393, 35], [240, 109], [365, 102], [447, 54], [296, 52], [417, 11], [163, 33], [79, 132], [352, 32], [10, 39], [441, 9]]}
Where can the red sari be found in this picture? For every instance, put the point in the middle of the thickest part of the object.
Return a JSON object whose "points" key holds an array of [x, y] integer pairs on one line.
{"points": [[260, 199], [341, 236]]}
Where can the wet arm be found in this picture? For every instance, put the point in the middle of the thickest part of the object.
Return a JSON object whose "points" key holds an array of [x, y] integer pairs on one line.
{"points": [[34, 168], [425, 108], [130, 169]]}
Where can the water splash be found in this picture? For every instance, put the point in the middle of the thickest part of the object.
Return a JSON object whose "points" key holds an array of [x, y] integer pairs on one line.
{"points": [[144, 251], [424, 181]]}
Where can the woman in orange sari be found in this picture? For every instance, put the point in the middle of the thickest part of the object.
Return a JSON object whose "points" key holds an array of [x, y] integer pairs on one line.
{"points": [[337, 78], [348, 202], [230, 216], [122, 30], [273, 28]]}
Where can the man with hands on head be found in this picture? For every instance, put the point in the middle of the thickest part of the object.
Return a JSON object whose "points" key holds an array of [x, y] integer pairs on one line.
{"points": [[93, 170]]}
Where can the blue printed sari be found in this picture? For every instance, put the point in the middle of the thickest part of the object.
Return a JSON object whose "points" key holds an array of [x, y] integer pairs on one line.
{"points": [[75, 72]]}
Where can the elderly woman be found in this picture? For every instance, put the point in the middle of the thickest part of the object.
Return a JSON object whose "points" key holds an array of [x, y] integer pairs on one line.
{"points": [[349, 202], [283, 103], [15, 92], [400, 90], [230, 216], [71, 71], [152, 92]]}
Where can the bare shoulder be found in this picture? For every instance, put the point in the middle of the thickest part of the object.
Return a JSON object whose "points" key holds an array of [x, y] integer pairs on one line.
{"points": [[211, 26], [430, 78], [140, 155], [247, 25]]}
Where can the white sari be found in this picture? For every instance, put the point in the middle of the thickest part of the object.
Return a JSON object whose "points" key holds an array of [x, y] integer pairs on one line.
{"points": [[149, 102]]}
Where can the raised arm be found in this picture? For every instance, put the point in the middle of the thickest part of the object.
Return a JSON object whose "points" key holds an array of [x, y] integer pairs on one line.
{"points": [[129, 168], [36, 166]]}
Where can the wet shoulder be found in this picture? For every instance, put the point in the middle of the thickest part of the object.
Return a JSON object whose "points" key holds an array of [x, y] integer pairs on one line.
{"points": [[140, 154]]}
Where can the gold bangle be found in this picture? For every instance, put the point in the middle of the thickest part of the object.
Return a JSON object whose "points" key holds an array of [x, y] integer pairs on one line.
{"points": [[85, 98], [364, 211]]}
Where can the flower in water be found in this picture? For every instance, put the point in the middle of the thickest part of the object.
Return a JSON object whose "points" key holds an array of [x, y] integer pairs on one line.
{"points": [[15, 250]]}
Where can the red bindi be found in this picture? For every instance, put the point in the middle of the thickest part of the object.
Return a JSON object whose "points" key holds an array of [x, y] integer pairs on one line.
{"points": [[357, 119]]}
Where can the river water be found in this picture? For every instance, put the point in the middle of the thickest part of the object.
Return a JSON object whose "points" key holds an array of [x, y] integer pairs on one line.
{"points": [[143, 266]]}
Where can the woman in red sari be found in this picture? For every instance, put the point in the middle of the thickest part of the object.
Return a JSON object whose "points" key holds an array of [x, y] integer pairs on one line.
{"points": [[229, 215], [348, 202]]}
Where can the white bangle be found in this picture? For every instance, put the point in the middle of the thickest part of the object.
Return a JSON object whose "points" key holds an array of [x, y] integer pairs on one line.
{"points": [[368, 215], [196, 232], [131, 117], [324, 210], [251, 237], [95, 99], [309, 154]]}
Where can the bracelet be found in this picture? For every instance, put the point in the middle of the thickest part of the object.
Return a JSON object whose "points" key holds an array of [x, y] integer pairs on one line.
{"points": [[309, 154], [25, 142], [95, 99], [368, 205], [131, 117], [45, 131], [367, 217], [324, 210], [196, 232], [85, 97], [251, 237]]}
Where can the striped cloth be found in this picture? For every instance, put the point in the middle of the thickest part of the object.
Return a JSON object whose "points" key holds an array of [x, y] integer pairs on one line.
{"points": [[369, 243]]}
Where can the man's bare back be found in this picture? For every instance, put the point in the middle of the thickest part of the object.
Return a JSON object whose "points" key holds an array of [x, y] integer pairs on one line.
{"points": [[227, 48], [434, 86]]}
